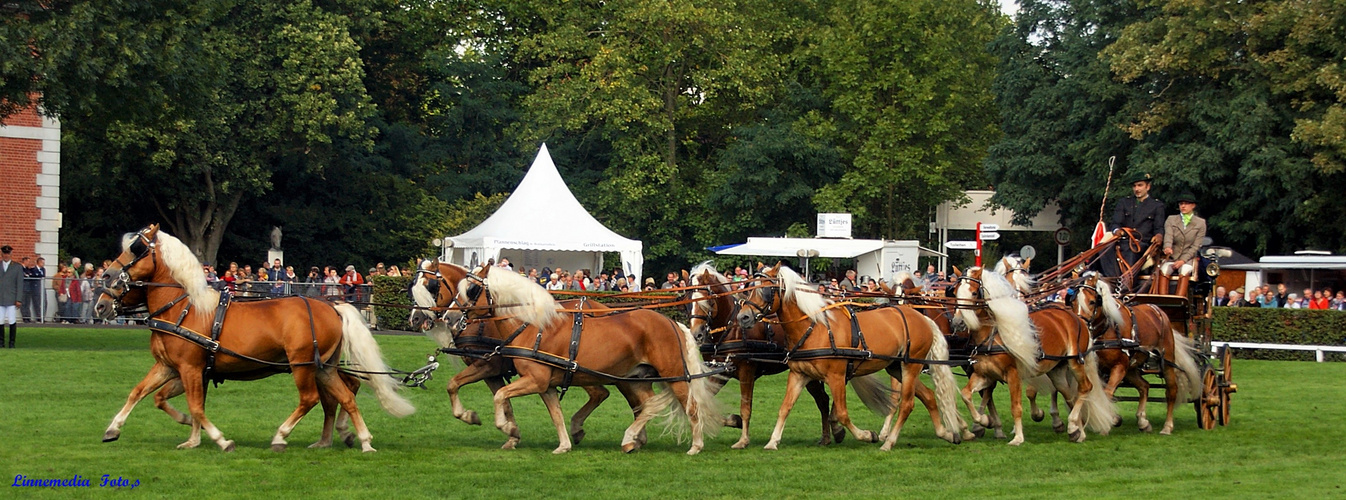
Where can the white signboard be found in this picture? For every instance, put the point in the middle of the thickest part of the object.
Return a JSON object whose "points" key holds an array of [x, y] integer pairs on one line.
{"points": [[834, 225], [990, 227], [985, 236], [960, 245]]}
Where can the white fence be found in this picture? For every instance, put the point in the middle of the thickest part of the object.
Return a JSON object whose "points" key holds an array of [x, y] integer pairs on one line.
{"points": [[1317, 349]]}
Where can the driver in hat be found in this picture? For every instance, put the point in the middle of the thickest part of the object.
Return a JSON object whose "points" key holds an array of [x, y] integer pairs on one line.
{"points": [[1143, 215], [1183, 234]]}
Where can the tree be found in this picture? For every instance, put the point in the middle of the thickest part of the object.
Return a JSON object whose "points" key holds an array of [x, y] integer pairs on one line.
{"points": [[909, 86]]}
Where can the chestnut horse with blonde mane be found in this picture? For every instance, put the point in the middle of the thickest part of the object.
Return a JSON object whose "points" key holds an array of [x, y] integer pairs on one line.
{"points": [[630, 345], [255, 340], [895, 339], [452, 330], [713, 322], [1012, 345], [1130, 336]]}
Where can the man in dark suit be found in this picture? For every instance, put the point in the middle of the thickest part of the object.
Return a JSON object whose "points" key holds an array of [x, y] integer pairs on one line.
{"points": [[11, 288], [1143, 215]]}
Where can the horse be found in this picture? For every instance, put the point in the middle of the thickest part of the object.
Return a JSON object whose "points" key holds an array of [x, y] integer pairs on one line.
{"points": [[622, 347], [713, 322], [247, 340], [1015, 270], [449, 332], [1009, 348], [132, 298], [896, 339], [1130, 336]]}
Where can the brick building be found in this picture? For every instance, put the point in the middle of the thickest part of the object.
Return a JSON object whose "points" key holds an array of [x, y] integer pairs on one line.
{"points": [[30, 185]]}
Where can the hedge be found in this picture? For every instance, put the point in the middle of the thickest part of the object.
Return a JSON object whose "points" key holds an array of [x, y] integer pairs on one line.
{"points": [[1280, 326], [393, 290]]}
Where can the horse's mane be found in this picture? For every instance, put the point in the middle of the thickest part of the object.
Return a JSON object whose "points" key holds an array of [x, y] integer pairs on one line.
{"points": [[1011, 316], [1112, 309], [520, 297], [1024, 281], [795, 289], [184, 268]]}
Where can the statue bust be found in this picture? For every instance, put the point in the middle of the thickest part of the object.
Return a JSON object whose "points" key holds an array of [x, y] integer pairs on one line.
{"points": [[275, 238]]}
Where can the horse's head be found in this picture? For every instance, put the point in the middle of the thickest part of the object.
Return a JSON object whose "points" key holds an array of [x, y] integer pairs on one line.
{"points": [[137, 262], [711, 305], [968, 290], [1092, 300], [763, 300], [436, 285], [471, 294]]}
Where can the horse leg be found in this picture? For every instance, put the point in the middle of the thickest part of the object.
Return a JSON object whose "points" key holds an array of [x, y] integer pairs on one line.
{"points": [[342, 426], [597, 394], [1076, 419], [894, 384], [636, 395], [1016, 406], [474, 372], [1143, 397], [159, 375], [819, 394], [329, 414], [988, 401], [171, 390], [534, 381], [495, 384], [683, 392], [837, 382], [195, 388], [307, 383], [1031, 392], [552, 399], [794, 383], [1115, 376], [975, 383], [1170, 392], [927, 398], [331, 382], [747, 379], [911, 373]]}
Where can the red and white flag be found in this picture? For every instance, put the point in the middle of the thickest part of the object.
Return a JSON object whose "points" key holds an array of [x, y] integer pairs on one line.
{"points": [[1100, 231]]}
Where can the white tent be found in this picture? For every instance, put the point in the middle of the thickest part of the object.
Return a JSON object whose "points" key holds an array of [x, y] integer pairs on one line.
{"points": [[879, 259], [541, 225]]}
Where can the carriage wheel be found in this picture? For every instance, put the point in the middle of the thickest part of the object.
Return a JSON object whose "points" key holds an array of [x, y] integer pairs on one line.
{"points": [[1227, 385], [1207, 404]]}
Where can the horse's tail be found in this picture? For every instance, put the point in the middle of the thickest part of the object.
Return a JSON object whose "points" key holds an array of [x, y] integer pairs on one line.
{"points": [[946, 388], [363, 354], [1099, 411], [876, 395], [1189, 382], [700, 394]]}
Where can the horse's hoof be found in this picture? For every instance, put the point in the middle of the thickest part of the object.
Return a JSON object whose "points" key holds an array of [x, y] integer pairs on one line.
{"points": [[770, 446], [1038, 415], [365, 448], [870, 437], [733, 421], [954, 438], [838, 434], [189, 445], [560, 449], [1165, 431], [349, 440], [824, 441], [320, 444], [185, 420], [740, 445], [510, 444], [1145, 426], [278, 447], [629, 447], [1117, 423], [228, 446], [1016, 441], [983, 420], [694, 450], [577, 436], [1077, 437], [999, 433], [886, 447], [978, 430], [1059, 428], [642, 439], [471, 418], [111, 436]]}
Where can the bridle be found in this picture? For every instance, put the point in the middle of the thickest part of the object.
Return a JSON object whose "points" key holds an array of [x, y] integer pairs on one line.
{"points": [[116, 287], [768, 293], [711, 309]]}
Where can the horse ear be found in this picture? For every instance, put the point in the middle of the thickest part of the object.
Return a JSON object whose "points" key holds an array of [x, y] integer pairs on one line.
{"points": [[760, 265], [685, 275], [957, 272], [1027, 263], [151, 231], [775, 269]]}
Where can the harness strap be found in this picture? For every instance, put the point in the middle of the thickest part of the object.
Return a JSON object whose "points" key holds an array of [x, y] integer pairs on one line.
{"points": [[574, 352], [216, 328]]}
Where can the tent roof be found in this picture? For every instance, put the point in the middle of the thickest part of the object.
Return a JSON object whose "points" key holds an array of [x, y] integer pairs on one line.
{"points": [[789, 247], [542, 214]]}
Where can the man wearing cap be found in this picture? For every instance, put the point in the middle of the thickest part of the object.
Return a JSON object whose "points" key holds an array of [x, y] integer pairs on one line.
{"points": [[1143, 215], [1182, 239], [11, 285], [352, 281]]}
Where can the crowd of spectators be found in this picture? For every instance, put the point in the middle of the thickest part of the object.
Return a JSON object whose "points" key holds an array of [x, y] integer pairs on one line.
{"points": [[1265, 297]]}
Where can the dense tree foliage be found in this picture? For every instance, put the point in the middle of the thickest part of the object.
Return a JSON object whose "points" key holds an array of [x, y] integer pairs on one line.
{"points": [[365, 128]]}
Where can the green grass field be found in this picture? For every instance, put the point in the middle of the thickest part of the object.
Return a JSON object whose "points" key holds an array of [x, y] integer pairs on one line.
{"points": [[61, 388]]}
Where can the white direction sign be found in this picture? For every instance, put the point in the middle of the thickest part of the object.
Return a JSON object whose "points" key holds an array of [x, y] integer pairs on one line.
{"points": [[989, 227], [960, 245], [988, 236]]}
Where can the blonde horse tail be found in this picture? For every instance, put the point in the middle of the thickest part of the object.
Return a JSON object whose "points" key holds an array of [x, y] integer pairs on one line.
{"points": [[1099, 411], [700, 394], [1189, 382], [946, 388], [363, 354], [876, 395]]}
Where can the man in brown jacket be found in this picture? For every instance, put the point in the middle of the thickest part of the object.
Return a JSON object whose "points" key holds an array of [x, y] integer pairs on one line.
{"points": [[1182, 239]]}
